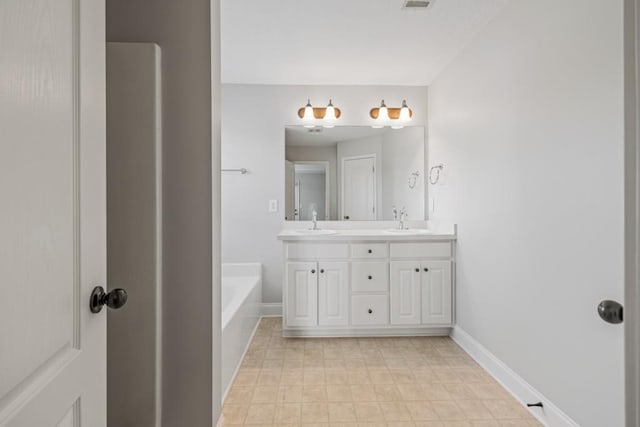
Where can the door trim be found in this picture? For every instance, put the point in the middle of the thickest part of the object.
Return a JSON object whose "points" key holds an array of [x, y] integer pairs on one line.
{"points": [[631, 220]]}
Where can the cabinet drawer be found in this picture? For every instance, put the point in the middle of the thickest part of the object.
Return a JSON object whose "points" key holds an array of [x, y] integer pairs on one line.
{"points": [[421, 250], [369, 250], [369, 310], [370, 276], [317, 250]]}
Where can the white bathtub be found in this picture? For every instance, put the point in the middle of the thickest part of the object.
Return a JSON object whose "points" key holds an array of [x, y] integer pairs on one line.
{"points": [[241, 300]]}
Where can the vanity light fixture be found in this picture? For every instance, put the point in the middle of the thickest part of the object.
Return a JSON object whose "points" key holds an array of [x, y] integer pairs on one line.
{"points": [[391, 116], [310, 115]]}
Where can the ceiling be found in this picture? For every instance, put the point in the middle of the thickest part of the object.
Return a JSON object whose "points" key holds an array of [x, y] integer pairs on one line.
{"points": [[350, 42]]}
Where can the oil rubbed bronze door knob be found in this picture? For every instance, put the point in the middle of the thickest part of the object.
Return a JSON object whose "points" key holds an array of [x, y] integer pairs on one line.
{"points": [[115, 299]]}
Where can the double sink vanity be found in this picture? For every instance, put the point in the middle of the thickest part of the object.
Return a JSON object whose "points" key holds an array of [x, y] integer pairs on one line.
{"points": [[360, 258], [368, 282]]}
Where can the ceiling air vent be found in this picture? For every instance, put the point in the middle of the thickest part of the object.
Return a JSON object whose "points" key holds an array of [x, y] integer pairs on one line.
{"points": [[417, 4]]}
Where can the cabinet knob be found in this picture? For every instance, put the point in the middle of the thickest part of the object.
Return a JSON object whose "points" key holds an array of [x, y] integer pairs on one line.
{"points": [[417, 270], [426, 269], [370, 277], [322, 270], [370, 311], [370, 251], [313, 272]]}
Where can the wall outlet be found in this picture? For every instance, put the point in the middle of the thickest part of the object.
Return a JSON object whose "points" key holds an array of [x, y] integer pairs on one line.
{"points": [[273, 205]]}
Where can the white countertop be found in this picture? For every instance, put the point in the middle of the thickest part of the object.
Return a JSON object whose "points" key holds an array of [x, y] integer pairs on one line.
{"points": [[367, 235]]}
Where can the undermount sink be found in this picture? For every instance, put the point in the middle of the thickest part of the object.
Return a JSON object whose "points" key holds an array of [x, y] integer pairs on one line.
{"points": [[409, 231], [309, 232]]}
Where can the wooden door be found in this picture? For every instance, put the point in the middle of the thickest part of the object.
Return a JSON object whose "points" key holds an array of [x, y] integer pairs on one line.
{"points": [[302, 294], [436, 293], [52, 221], [405, 293], [333, 294], [359, 188]]}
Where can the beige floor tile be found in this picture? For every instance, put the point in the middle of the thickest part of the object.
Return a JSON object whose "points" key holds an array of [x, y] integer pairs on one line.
{"points": [[386, 393], [474, 409], [347, 382], [289, 394], [260, 414], [265, 394], [288, 413], [239, 395], [339, 393], [341, 412], [363, 393], [506, 409], [395, 411], [235, 414], [314, 393], [422, 411], [315, 413], [368, 412], [448, 410]]}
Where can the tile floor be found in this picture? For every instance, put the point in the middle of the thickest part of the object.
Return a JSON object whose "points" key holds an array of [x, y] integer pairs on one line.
{"points": [[421, 381]]}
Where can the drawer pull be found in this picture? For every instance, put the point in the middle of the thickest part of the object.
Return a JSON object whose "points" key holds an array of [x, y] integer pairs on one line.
{"points": [[313, 272], [426, 270], [370, 277], [417, 270], [370, 251], [370, 311], [322, 271]]}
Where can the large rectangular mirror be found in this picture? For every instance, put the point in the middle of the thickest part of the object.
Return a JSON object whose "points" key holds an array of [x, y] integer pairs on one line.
{"points": [[354, 173]]}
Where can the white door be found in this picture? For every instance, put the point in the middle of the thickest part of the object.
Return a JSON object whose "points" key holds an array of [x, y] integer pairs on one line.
{"points": [[290, 197], [52, 215], [436, 293], [333, 294], [359, 188], [405, 293], [302, 294]]}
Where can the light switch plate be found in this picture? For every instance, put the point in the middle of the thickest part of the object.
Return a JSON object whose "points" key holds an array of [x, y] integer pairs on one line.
{"points": [[273, 205]]}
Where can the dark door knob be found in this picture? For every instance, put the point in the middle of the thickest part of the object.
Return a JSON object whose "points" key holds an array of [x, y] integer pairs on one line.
{"points": [[114, 299], [417, 270], [370, 311], [370, 277], [426, 270], [346, 217], [370, 251], [322, 270], [313, 272], [611, 311]]}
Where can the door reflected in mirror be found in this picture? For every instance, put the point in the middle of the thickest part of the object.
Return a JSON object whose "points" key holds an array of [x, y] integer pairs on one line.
{"points": [[354, 173]]}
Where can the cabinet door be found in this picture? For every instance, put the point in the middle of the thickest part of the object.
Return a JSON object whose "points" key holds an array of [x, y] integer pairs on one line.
{"points": [[405, 292], [302, 294], [333, 293], [436, 293]]}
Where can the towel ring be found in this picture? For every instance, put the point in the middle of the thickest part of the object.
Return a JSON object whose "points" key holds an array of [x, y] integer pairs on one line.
{"points": [[437, 168]]}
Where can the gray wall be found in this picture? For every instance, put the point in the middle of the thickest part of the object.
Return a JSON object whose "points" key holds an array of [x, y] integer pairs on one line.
{"points": [[182, 29]]}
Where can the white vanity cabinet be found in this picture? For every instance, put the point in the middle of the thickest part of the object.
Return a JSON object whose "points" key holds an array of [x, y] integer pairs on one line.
{"points": [[368, 288]]}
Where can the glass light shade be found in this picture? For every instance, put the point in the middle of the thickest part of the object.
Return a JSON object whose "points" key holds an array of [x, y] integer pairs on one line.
{"points": [[307, 116], [405, 115], [383, 113], [329, 116]]}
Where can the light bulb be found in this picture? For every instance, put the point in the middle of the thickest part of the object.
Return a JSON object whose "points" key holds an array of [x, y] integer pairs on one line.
{"points": [[308, 115], [405, 114], [330, 116], [383, 113]]}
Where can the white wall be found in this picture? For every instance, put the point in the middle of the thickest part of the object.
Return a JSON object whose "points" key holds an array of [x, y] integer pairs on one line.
{"points": [[253, 120], [528, 123], [403, 152]]}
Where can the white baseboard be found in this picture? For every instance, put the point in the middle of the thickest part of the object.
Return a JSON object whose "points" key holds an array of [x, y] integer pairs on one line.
{"points": [[271, 309], [550, 415]]}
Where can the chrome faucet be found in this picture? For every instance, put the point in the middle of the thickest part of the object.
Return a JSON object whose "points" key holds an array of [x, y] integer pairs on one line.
{"points": [[394, 210], [403, 216], [314, 219]]}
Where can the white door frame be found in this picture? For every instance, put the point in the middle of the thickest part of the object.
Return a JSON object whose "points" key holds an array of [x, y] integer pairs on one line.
{"points": [[327, 184], [375, 180], [632, 197]]}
